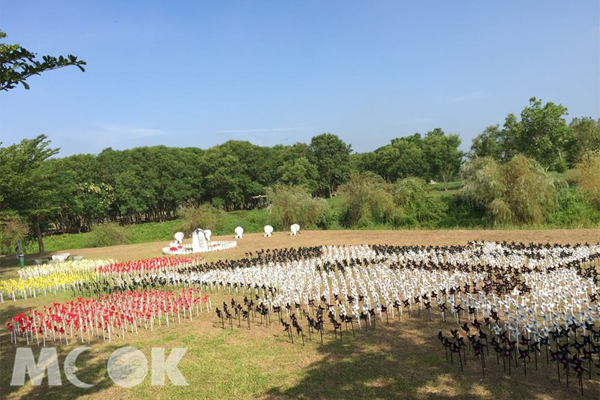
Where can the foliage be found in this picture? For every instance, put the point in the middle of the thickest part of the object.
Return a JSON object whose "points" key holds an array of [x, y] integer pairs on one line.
{"points": [[107, 235], [368, 200], [574, 209], [332, 159], [18, 64], [442, 154], [585, 140], [587, 175], [149, 184], [417, 205], [541, 133], [436, 156], [28, 183], [299, 172], [518, 192], [12, 228], [204, 216], [293, 204]]}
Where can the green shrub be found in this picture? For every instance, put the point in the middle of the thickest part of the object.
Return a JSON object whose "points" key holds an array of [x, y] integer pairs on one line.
{"points": [[252, 221], [575, 210], [12, 229], [107, 235], [462, 214], [293, 204], [368, 201], [204, 216], [417, 206], [587, 175]]}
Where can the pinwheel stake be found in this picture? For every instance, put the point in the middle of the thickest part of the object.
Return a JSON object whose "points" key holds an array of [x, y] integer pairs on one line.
{"points": [[567, 367], [523, 354], [482, 363], [321, 331]]}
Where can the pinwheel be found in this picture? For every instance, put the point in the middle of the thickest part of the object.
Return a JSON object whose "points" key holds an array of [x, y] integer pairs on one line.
{"points": [[512, 297], [115, 314]]}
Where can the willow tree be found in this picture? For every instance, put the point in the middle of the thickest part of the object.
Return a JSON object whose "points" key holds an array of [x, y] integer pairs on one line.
{"points": [[295, 205], [517, 192], [587, 175], [368, 200]]}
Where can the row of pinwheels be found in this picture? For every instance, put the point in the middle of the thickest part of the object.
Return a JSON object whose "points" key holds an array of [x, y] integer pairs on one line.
{"points": [[34, 281], [107, 316]]}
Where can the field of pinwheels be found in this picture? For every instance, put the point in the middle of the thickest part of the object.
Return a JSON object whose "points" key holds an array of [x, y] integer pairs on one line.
{"points": [[332, 315]]}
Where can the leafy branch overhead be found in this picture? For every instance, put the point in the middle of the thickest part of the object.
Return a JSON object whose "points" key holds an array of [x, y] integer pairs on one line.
{"points": [[18, 64]]}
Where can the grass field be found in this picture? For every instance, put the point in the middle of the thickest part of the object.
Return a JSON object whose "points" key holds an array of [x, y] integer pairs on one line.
{"points": [[402, 359]]}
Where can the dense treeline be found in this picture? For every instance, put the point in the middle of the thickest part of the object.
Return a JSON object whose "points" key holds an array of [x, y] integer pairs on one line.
{"points": [[514, 174]]}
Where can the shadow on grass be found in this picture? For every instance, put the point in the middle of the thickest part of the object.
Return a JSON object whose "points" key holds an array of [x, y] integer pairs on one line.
{"points": [[406, 361]]}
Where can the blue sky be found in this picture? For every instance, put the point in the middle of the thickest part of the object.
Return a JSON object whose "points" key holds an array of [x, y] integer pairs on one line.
{"points": [[200, 73]]}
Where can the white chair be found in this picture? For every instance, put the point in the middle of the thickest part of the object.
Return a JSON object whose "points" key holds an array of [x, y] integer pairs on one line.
{"points": [[294, 229], [239, 232], [268, 230]]}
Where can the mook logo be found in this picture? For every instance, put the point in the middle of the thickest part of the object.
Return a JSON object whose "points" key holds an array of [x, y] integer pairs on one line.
{"points": [[126, 366]]}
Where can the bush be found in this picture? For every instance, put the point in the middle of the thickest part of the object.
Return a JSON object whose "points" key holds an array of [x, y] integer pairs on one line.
{"points": [[417, 206], [12, 228], [461, 213], [293, 204], [252, 221], [575, 210], [587, 176], [204, 216], [368, 201], [107, 235]]}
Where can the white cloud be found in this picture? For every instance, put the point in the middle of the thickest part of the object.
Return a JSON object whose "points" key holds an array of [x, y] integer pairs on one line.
{"points": [[262, 130], [99, 136], [468, 96], [122, 131]]}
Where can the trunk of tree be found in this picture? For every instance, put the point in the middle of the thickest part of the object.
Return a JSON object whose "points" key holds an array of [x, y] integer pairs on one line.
{"points": [[38, 233]]}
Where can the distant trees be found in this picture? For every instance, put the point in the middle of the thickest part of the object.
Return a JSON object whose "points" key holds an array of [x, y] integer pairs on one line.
{"points": [[506, 178], [433, 157]]}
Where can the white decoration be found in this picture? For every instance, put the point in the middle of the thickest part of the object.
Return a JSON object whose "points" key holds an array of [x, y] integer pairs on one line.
{"points": [[268, 230], [179, 237], [207, 234], [199, 241], [239, 232], [294, 229]]}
